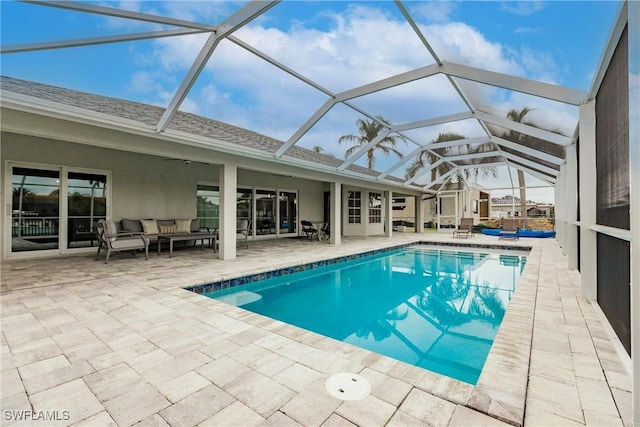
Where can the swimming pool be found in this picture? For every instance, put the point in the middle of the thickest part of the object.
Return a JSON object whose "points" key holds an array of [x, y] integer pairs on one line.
{"points": [[439, 309]]}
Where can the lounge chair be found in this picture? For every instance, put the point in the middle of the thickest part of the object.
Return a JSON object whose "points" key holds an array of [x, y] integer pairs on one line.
{"points": [[465, 229], [112, 241], [309, 231], [509, 228]]}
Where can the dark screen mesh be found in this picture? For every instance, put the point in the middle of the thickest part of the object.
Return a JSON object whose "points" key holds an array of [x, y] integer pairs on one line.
{"points": [[612, 142], [614, 293], [612, 192]]}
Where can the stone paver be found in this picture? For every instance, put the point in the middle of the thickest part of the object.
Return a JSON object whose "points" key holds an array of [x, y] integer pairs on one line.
{"points": [[124, 344], [70, 402], [136, 405]]}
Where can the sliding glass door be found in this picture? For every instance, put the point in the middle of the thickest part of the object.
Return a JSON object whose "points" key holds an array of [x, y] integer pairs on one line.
{"points": [[35, 209], [265, 212], [271, 212], [86, 204], [288, 209], [53, 209]]}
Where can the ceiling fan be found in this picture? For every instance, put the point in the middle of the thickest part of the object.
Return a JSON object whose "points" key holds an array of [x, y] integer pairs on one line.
{"points": [[185, 161]]}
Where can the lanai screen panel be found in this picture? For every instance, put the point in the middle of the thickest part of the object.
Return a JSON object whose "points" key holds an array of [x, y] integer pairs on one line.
{"points": [[612, 192]]}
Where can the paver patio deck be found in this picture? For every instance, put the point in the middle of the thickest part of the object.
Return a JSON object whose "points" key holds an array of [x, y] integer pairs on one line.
{"points": [[124, 344]]}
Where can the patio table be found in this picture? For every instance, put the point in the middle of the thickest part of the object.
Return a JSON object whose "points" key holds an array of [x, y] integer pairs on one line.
{"points": [[202, 236]]}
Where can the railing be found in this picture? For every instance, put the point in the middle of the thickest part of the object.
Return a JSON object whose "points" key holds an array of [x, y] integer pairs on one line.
{"points": [[34, 227]]}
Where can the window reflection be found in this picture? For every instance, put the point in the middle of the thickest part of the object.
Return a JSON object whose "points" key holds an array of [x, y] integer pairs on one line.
{"points": [[35, 209]]}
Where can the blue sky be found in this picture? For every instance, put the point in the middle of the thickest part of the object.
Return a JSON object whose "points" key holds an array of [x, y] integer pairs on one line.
{"points": [[338, 44]]}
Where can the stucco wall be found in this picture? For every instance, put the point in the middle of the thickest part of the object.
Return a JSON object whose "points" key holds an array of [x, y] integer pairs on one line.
{"points": [[144, 186], [141, 186]]}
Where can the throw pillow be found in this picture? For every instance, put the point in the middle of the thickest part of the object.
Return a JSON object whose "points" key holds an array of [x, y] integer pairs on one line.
{"points": [[183, 226], [150, 226], [131, 225], [167, 229], [110, 229]]}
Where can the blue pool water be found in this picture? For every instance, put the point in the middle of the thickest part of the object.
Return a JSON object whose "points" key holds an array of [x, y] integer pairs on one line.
{"points": [[437, 309]]}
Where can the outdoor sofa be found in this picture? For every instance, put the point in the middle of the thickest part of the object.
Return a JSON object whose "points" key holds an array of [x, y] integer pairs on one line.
{"points": [[159, 231], [180, 230]]}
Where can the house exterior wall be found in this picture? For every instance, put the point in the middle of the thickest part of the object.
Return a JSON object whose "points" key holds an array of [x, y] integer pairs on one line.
{"points": [[465, 198], [141, 186], [145, 186], [364, 228], [310, 193]]}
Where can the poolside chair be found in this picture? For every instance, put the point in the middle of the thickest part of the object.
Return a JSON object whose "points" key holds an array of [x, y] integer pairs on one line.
{"points": [[509, 228], [309, 231], [109, 239], [326, 231], [243, 231], [465, 229]]}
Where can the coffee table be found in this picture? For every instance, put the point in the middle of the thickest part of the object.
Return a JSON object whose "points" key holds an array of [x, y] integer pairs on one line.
{"points": [[202, 236]]}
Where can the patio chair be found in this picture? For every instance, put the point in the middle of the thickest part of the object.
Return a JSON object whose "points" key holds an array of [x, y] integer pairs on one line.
{"points": [[326, 231], [465, 229], [242, 231], [109, 239], [509, 228], [309, 231]]}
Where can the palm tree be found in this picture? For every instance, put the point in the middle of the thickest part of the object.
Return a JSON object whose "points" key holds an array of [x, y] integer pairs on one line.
{"points": [[318, 149], [527, 141], [425, 158], [487, 304], [519, 116], [368, 131]]}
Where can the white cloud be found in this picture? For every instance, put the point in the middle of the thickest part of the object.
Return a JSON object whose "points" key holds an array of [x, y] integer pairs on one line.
{"points": [[523, 8], [539, 65], [528, 30], [459, 42], [433, 11], [362, 45]]}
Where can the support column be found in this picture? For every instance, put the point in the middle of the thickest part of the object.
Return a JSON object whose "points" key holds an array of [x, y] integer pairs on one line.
{"points": [[633, 22], [388, 213], [571, 207], [228, 215], [335, 214], [588, 237], [558, 202], [419, 214]]}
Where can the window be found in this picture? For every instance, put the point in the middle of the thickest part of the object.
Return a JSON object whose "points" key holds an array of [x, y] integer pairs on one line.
{"points": [[208, 206], [475, 206], [375, 208], [354, 204], [87, 203], [244, 206]]}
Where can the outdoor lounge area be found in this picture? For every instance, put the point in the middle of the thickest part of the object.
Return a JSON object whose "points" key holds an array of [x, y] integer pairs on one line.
{"points": [[128, 345]]}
